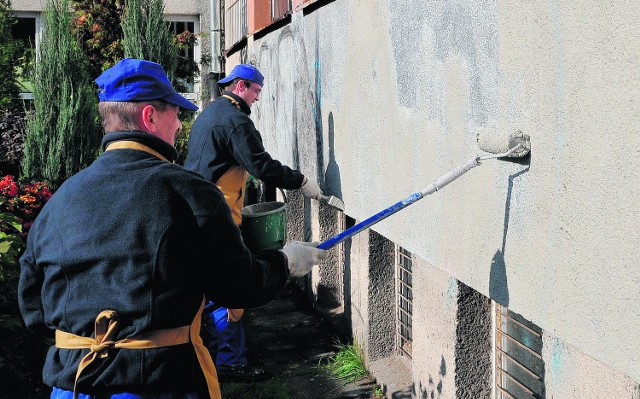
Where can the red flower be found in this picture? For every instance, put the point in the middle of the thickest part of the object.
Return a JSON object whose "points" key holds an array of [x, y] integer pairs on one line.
{"points": [[24, 202], [8, 187]]}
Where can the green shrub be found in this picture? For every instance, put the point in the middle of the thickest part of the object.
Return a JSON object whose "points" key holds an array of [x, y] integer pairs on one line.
{"points": [[11, 245], [147, 35], [21, 351], [63, 136], [12, 127], [182, 140], [10, 51]]}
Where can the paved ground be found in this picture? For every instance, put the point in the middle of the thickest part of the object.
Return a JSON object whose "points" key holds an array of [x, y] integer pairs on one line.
{"points": [[293, 342]]}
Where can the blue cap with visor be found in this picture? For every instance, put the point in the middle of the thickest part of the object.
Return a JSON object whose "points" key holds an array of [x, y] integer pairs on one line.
{"points": [[243, 71], [132, 80]]}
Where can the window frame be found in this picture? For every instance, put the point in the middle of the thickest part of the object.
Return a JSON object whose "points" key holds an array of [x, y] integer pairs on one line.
{"points": [[38, 36], [197, 49]]}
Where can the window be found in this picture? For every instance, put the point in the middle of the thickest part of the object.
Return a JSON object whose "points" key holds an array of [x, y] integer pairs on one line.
{"points": [[280, 9], [404, 301], [235, 22], [186, 27], [27, 29], [519, 364]]}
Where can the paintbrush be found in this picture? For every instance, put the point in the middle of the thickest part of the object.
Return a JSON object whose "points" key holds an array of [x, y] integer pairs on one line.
{"points": [[333, 201]]}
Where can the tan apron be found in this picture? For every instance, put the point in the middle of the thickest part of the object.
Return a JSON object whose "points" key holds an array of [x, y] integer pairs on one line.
{"points": [[232, 184], [105, 328]]}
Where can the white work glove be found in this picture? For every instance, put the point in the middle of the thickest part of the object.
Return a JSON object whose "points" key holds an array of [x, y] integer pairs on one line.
{"points": [[310, 189], [302, 256]]}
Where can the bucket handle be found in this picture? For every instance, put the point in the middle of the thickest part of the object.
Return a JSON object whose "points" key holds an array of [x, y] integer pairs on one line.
{"points": [[284, 196]]}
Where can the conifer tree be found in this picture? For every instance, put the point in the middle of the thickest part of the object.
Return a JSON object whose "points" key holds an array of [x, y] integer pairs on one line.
{"points": [[9, 54], [147, 35], [63, 136]]}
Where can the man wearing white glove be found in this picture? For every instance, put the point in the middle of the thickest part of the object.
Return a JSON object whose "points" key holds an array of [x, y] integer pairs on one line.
{"points": [[302, 256], [310, 189], [225, 147]]}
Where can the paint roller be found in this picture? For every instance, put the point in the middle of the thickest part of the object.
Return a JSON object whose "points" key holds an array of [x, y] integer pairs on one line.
{"points": [[515, 145]]}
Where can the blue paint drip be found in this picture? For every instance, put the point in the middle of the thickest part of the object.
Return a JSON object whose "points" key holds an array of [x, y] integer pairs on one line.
{"points": [[452, 291], [371, 221]]}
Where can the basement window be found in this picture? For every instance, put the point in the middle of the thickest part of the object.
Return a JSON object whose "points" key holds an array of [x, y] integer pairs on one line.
{"points": [[519, 364], [404, 301]]}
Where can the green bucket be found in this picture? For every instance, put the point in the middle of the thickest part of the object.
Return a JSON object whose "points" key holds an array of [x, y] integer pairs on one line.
{"points": [[264, 225]]}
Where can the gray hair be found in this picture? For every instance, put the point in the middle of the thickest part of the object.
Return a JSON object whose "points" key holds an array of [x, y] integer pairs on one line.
{"points": [[117, 115]]}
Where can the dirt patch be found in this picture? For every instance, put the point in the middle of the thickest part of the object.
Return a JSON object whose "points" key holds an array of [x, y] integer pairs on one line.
{"points": [[291, 341]]}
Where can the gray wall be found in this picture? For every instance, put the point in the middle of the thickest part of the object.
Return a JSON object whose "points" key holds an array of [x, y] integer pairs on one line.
{"points": [[405, 87]]}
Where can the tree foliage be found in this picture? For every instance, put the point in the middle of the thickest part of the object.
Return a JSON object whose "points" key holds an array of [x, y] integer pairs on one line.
{"points": [[12, 127], [63, 136], [96, 23], [10, 51], [147, 35]]}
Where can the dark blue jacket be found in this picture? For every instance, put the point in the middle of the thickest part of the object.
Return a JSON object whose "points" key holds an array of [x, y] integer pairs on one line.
{"points": [[223, 136], [148, 239]]}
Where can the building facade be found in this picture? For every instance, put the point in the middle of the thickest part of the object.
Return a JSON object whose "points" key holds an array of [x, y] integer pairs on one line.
{"points": [[520, 279]]}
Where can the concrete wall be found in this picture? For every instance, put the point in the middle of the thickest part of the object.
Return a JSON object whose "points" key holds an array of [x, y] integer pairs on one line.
{"points": [[404, 87], [434, 331], [571, 374]]}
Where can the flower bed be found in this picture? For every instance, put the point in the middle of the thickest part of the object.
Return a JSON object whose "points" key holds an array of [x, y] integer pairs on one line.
{"points": [[21, 351]]}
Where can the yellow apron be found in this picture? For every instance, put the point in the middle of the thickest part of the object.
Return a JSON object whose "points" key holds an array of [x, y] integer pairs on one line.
{"points": [[232, 184], [106, 326]]}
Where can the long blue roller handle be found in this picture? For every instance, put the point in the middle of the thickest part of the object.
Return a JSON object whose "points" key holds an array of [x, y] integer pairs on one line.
{"points": [[430, 189]]}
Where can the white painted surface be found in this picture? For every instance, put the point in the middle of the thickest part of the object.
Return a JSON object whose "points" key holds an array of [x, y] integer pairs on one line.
{"points": [[410, 85], [434, 332]]}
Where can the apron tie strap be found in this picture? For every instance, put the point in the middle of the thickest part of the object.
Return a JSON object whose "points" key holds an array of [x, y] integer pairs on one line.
{"points": [[134, 145], [106, 326]]}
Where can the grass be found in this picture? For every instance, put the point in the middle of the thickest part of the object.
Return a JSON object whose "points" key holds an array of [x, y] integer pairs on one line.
{"points": [[347, 364]]}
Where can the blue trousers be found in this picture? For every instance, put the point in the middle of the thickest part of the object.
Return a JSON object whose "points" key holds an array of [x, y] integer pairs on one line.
{"points": [[227, 342], [58, 393]]}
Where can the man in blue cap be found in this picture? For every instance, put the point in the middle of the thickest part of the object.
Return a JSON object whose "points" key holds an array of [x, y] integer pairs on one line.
{"points": [[122, 259], [225, 147]]}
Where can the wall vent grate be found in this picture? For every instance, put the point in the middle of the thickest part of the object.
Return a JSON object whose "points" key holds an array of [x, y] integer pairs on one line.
{"points": [[404, 301]]}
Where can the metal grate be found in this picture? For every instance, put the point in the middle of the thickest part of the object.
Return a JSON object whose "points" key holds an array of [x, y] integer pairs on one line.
{"points": [[404, 301], [342, 257], [519, 364]]}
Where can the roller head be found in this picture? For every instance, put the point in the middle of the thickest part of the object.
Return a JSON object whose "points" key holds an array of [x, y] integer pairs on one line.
{"points": [[496, 143]]}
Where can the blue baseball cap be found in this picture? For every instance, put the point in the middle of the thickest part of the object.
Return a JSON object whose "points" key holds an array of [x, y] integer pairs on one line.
{"points": [[243, 71], [139, 80]]}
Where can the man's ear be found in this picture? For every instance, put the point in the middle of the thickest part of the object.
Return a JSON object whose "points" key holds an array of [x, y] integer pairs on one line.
{"points": [[147, 119], [240, 87]]}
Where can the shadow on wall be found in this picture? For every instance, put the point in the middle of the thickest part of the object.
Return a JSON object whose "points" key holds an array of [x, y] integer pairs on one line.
{"points": [[332, 179], [498, 285], [434, 391]]}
